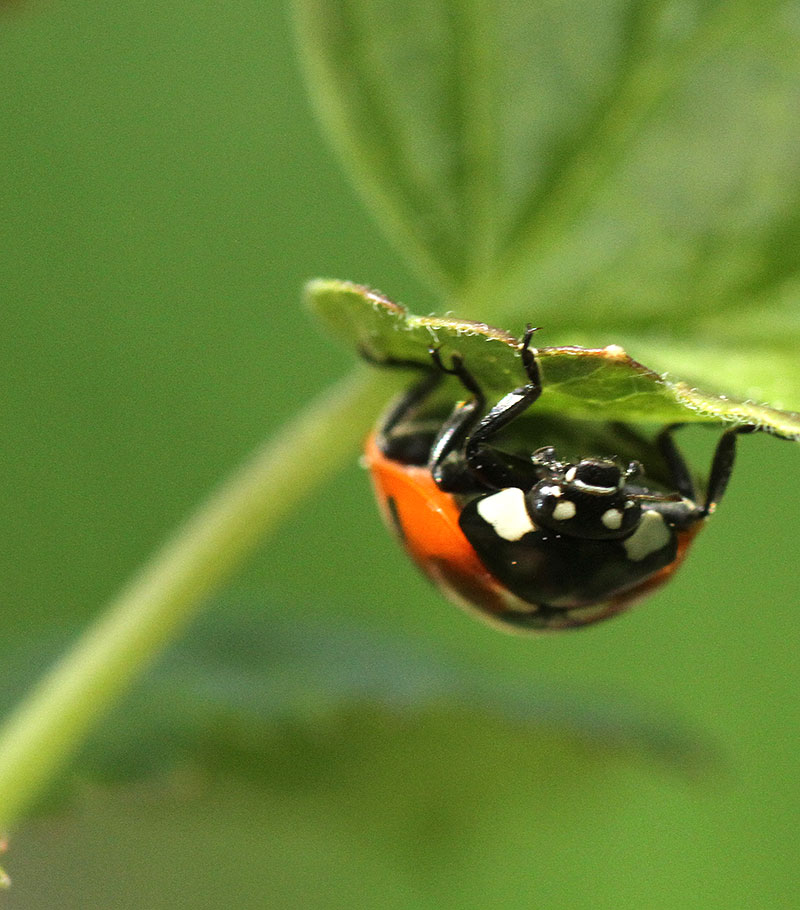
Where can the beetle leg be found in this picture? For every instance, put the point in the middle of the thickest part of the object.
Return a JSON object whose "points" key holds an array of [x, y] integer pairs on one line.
{"points": [[680, 476], [509, 407], [498, 469], [529, 357], [411, 399], [466, 432], [452, 473], [721, 467], [413, 448]]}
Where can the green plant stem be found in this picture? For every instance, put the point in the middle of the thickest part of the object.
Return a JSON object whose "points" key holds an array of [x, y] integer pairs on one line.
{"points": [[51, 722]]}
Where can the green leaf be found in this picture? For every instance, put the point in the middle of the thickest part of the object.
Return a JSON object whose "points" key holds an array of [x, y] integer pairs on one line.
{"points": [[405, 91], [241, 685], [590, 162], [448, 810], [585, 384]]}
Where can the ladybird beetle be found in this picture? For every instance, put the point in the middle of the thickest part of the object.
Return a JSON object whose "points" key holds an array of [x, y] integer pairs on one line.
{"points": [[530, 542]]}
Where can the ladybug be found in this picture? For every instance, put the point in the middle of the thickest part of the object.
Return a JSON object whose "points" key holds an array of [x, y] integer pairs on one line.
{"points": [[530, 542]]}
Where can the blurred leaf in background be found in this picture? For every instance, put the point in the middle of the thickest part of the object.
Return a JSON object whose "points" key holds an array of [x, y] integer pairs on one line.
{"points": [[620, 172], [228, 697]]}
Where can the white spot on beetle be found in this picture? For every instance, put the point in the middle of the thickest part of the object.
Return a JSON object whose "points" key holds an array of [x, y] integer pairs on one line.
{"points": [[612, 519], [570, 475], [564, 510], [506, 513], [651, 535], [550, 491]]}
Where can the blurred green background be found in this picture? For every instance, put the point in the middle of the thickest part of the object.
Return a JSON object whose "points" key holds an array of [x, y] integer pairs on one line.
{"points": [[165, 192]]}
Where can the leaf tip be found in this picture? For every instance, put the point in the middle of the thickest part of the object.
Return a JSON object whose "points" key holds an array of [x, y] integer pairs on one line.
{"points": [[317, 288]]}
